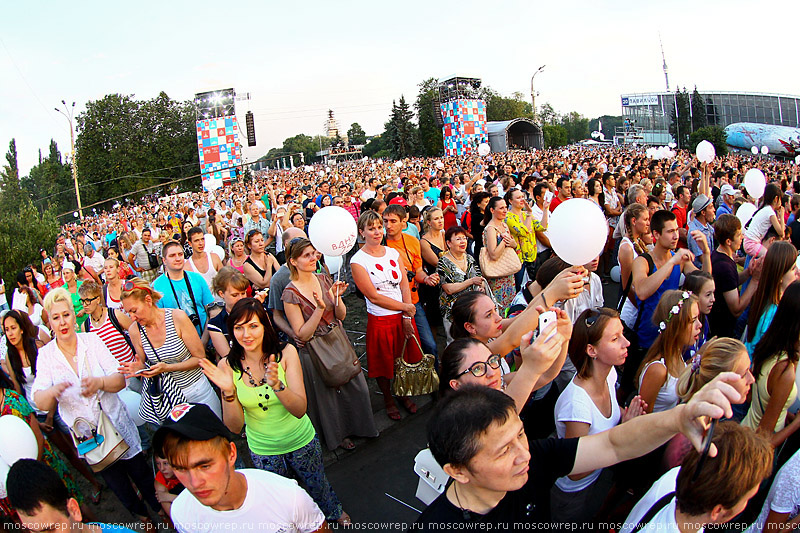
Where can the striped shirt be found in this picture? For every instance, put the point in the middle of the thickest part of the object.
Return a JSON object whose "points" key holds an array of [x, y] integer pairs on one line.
{"points": [[172, 351], [115, 341]]}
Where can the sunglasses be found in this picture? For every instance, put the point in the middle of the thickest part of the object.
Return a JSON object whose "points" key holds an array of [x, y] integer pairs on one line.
{"points": [[131, 286], [480, 368]]}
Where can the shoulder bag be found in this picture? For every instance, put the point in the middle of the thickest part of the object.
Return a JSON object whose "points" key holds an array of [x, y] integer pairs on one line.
{"points": [[506, 265], [102, 446], [332, 353], [161, 391], [414, 379]]}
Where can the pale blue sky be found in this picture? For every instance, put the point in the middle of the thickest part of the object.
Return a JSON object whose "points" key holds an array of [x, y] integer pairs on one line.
{"points": [[298, 59]]}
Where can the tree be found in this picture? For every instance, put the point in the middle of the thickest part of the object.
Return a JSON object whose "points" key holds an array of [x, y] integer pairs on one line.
{"points": [[609, 123], [50, 183], [680, 124], [500, 107], [713, 134], [554, 135], [576, 125], [376, 144], [699, 118], [402, 131], [430, 134], [547, 115], [12, 193], [356, 135], [130, 144], [21, 248]]}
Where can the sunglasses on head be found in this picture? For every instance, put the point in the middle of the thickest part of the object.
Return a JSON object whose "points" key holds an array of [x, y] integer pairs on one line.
{"points": [[129, 285]]}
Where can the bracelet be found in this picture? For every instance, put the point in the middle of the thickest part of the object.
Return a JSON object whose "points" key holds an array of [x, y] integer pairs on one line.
{"points": [[544, 300], [406, 317], [230, 398]]}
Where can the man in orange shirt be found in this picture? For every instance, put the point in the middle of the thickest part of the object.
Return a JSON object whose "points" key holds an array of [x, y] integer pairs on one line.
{"points": [[408, 247]]}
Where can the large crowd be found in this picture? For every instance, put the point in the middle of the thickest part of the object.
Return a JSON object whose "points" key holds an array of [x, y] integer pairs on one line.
{"points": [[653, 386]]}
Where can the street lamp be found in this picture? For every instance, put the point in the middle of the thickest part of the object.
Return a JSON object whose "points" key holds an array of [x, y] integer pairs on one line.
{"points": [[68, 114], [533, 93]]}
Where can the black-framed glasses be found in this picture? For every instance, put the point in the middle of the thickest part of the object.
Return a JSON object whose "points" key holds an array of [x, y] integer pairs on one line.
{"points": [[87, 301], [480, 368], [592, 318]]}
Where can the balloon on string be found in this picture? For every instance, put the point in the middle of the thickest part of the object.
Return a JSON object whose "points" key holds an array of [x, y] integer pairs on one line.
{"points": [[754, 150], [75, 214], [332, 231], [131, 400], [484, 149], [17, 440], [219, 251], [755, 181], [746, 212], [705, 152], [615, 274], [211, 241], [764, 150], [334, 263], [577, 231]]}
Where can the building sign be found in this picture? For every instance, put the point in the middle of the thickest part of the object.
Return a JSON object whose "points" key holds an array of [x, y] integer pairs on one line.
{"points": [[645, 99]]}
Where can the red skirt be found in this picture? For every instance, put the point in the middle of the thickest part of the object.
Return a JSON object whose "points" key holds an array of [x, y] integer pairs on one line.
{"points": [[384, 341]]}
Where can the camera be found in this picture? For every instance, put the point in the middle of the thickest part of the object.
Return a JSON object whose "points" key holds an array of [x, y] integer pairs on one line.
{"points": [[195, 320], [410, 276]]}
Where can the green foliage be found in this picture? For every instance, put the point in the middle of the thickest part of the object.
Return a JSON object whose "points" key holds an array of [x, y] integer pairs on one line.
{"points": [[680, 125], [20, 248], [500, 107], [134, 144], [713, 134], [576, 125], [699, 118], [547, 115], [554, 135], [401, 131], [50, 183], [356, 135], [430, 134], [376, 144], [306, 144]]}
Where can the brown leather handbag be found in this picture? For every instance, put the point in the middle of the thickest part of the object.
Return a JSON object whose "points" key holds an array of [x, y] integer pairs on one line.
{"points": [[333, 356]]}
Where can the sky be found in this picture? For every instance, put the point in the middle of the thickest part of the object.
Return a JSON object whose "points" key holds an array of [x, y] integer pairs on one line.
{"points": [[299, 59]]}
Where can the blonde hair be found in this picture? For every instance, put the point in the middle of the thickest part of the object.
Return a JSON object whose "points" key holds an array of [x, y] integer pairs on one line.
{"points": [[714, 357], [140, 289], [229, 277], [55, 296], [670, 342]]}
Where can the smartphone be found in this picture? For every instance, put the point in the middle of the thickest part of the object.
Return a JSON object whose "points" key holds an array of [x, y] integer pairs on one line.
{"points": [[145, 370], [545, 319], [548, 196]]}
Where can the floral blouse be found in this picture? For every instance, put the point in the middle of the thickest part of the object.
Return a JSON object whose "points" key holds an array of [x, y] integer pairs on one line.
{"points": [[449, 272]]}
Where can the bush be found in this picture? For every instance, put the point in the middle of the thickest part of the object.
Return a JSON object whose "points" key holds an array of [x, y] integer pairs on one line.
{"points": [[554, 135]]}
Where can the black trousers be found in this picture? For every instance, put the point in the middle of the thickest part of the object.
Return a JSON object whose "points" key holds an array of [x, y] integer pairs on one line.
{"points": [[118, 477]]}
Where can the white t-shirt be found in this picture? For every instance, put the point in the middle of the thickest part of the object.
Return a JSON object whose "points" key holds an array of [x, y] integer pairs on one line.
{"points": [[575, 405], [590, 298], [385, 274], [273, 504], [784, 495], [538, 214], [759, 225], [664, 520]]}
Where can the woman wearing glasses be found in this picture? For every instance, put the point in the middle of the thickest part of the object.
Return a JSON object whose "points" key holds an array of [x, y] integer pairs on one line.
{"points": [[167, 345], [261, 265], [262, 387], [588, 405], [382, 279], [312, 302], [76, 372], [110, 325]]}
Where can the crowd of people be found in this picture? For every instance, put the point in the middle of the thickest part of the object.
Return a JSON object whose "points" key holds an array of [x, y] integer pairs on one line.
{"points": [[670, 402]]}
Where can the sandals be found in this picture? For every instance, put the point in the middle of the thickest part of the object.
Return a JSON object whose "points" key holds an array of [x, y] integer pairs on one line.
{"points": [[347, 444], [410, 406], [393, 412]]}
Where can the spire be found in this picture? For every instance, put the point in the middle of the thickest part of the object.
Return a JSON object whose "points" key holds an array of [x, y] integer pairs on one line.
{"points": [[666, 74]]}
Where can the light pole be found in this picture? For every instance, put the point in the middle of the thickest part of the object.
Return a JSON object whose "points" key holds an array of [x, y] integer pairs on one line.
{"points": [[68, 114], [533, 93]]}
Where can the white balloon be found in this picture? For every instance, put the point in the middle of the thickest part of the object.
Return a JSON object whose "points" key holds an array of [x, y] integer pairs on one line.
{"points": [[797, 160], [332, 231], [755, 181], [672, 145], [4, 468], [217, 249], [565, 153], [705, 152], [334, 263], [615, 274], [764, 150], [399, 164], [321, 173], [211, 241], [484, 149], [754, 149], [439, 164], [131, 400], [746, 212], [17, 440], [75, 214], [578, 231]]}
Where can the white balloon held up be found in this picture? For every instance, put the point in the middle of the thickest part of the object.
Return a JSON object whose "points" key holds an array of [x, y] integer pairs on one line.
{"points": [[764, 150], [577, 231], [705, 152], [484, 149], [754, 150], [746, 212], [755, 181], [332, 231]]}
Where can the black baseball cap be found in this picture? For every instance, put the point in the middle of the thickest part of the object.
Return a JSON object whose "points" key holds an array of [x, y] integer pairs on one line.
{"points": [[195, 421]]}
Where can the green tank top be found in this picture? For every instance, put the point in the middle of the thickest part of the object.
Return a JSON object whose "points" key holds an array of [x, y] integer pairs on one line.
{"points": [[275, 431]]}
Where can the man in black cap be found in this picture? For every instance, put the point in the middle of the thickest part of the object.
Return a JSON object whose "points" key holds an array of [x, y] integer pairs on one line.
{"points": [[201, 451]]}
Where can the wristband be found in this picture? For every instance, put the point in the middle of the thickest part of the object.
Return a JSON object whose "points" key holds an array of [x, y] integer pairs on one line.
{"points": [[230, 398], [406, 317]]}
